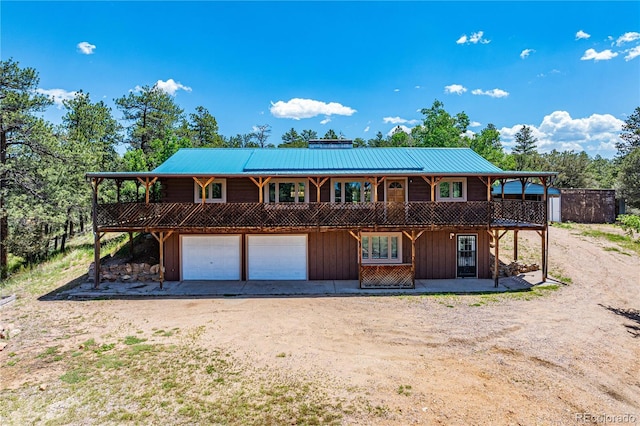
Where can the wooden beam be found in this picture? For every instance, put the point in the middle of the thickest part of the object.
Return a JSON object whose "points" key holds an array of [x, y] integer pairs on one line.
{"points": [[203, 187], [261, 182], [515, 245], [161, 237], [432, 181], [375, 181], [523, 181], [543, 254], [95, 183], [147, 184], [496, 260], [318, 184], [487, 183]]}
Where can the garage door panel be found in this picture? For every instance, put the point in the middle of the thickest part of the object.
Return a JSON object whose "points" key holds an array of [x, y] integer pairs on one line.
{"points": [[277, 257], [211, 257]]}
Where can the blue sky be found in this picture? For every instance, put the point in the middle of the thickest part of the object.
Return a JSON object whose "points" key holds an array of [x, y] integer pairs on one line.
{"points": [[571, 70]]}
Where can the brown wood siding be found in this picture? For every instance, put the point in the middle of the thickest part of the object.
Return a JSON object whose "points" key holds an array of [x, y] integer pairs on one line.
{"points": [[436, 254], [242, 190], [172, 258], [476, 190], [332, 256], [419, 190], [177, 190]]}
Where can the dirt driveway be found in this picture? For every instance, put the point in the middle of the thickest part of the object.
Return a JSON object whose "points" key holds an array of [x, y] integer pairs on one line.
{"points": [[556, 357]]}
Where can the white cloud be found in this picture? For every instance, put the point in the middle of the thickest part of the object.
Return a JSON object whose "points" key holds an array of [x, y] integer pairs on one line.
{"points": [[627, 37], [398, 120], [86, 48], [326, 120], [298, 108], [558, 130], [458, 89], [396, 90], [418, 87], [475, 124], [58, 95], [403, 128], [605, 55], [494, 93], [366, 129], [582, 35], [526, 52], [171, 87], [474, 38], [633, 53]]}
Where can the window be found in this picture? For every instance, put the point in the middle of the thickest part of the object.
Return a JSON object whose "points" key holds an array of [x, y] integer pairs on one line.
{"points": [[215, 192], [286, 191], [382, 248], [351, 191], [452, 190]]}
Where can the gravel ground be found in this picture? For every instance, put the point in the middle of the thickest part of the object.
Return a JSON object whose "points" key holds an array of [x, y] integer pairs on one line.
{"points": [[548, 357]]}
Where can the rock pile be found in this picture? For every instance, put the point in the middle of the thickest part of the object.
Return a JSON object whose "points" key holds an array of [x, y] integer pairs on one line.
{"points": [[126, 272]]}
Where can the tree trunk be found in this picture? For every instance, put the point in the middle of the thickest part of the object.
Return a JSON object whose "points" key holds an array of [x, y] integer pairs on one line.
{"points": [[4, 223]]}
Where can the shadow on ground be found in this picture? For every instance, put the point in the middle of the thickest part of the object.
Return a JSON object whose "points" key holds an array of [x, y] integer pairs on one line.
{"points": [[631, 314]]}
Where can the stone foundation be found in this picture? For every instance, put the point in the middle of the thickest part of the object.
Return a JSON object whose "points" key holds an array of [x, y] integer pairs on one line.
{"points": [[126, 272]]}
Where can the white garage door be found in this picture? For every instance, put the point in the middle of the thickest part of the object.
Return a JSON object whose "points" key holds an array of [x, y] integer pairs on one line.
{"points": [[277, 257], [206, 257]]}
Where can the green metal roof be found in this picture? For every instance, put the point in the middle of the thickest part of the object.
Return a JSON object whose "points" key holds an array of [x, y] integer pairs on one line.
{"points": [[303, 161]]}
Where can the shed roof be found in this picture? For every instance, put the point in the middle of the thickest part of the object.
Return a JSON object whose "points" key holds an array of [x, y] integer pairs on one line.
{"points": [[514, 187]]}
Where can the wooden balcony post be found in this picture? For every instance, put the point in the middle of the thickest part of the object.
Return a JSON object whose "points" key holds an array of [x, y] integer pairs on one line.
{"points": [[261, 182], [161, 237], [147, 185], [358, 238], [203, 187], [413, 237], [95, 183], [515, 245], [318, 184]]}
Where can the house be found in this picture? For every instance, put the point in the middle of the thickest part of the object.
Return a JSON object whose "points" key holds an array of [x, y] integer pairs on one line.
{"points": [[519, 189], [384, 216]]}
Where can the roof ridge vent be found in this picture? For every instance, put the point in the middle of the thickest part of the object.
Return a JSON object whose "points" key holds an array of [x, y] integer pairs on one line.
{"points": [[330, 143]]}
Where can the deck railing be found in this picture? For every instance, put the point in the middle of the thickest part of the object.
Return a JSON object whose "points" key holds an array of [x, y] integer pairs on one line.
{"points": [[123, 216]]}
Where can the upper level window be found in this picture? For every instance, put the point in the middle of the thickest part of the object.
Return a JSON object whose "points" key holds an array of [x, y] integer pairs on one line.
{"points": [[215, 192], [286, 191], [382, 247], [350, 191], [452, 190]]}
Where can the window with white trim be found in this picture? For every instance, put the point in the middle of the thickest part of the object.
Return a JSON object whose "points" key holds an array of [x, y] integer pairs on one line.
{"points": [[381, 247], [351, 191], [452, 190], [215, 192], [286, 191]]}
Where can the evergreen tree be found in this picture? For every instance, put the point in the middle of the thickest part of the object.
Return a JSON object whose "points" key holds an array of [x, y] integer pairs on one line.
{"points": [[524, 150]]}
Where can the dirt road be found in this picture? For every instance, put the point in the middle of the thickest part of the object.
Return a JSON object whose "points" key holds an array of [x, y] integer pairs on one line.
{"points": [[512, 359]]}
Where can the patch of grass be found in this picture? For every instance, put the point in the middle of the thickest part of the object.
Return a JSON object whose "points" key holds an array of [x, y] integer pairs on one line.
{"points": [[617, 250], [104, 348], [149, 383], [74, 376], [624, 241], [133, 340], [281, 355], [404, 390], [564, 225]]}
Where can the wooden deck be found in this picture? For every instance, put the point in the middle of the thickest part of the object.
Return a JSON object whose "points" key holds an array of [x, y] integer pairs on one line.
{"points": [[231, 217]]}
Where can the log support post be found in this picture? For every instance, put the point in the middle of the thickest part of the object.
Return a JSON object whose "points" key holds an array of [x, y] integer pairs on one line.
{"points": [[515, 245], [147, 186], [131, 244], [375, 181], [260, 182], [161, 237], [496, 260], [433, 182], [317, 182], [203, 187], [413, 237], [358, 238], [95, 183]]}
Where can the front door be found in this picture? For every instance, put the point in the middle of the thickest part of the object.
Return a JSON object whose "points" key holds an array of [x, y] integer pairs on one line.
{"points": [[467, 256], [395, 191]]}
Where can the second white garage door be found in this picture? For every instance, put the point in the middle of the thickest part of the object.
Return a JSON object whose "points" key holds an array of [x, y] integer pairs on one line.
{"points": [[206, 257], [277, 257]]}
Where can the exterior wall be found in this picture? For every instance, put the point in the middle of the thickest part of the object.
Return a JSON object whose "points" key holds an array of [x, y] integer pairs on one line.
{"points": [[172, 257], [177, 190], [334, 255], [588, 205], [436, 254], [242, 190], [476, 190], [419, 190]]}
